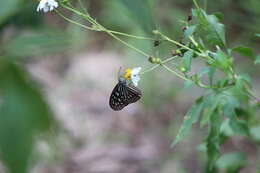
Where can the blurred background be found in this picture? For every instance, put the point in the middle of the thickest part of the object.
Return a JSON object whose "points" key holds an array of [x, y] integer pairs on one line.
{"points": [[56, 77]]}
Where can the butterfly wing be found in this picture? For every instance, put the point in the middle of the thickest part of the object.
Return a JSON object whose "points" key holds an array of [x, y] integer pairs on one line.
{"points": [[117, 97], [122, 95], [133, 94]]}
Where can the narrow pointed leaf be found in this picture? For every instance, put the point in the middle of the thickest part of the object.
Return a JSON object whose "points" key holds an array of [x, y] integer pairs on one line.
{"points": [[190, 118]]}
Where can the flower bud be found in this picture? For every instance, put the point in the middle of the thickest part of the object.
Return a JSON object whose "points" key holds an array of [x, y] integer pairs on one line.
{"points": [[151, 59], [156, 43], [189, 18], [183, 69], [156, 32]]}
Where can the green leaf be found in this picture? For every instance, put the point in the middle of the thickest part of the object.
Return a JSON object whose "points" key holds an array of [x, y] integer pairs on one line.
{"points": [[255, 133], [244, 51], [225, 128], [219, 15], [257, 60], [187, 60], [8, 8], [232, 162], [258, 35], [210, 71], [221, 61], [188, 84], [229, 102], [190, 118], [213, 140], [212, 30], [37, 43], [210, 105], [239, 90], [223, 82], [238, 126], [24, 114], [190, 31], [211, 74], [141, 11]]}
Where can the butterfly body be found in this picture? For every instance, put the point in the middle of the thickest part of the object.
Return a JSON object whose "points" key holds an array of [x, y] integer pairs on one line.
{"points": [[124, 94]]}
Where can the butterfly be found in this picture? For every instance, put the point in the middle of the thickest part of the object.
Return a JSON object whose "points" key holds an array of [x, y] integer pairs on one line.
{"points": [[124, 94]]}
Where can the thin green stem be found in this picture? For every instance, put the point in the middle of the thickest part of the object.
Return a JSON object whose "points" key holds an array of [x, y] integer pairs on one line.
{"points": [[126, 44], [196, 4], [205, 5], [157, 65], [72, 21], [98, 27], [92, 29], [181, 45], [251, 94], [173, 41], [174, 72], [150, 69], [198, 83], [86, 16], [133, 36], [94, 22]]}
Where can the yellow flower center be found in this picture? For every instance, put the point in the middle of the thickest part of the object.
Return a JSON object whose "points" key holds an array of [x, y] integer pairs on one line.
{"points": [[127, 74]]}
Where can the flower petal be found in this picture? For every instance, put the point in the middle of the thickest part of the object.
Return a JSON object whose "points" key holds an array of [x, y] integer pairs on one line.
{"points": [[135, 75], [47, 5]]}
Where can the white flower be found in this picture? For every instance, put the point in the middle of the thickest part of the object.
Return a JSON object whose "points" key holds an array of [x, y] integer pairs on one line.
{"points": [[47, 5], [135, 75]]}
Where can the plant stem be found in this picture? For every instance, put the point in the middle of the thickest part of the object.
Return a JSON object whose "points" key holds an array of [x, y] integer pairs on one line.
{"points": [[93, 29], [250, 92], [173, 41], [97, 27], [196, 4], [174, 72], [183, 46], [157, 65], [72, 21], [91, 20], [205, 5], [198, 83], [132, 36]]}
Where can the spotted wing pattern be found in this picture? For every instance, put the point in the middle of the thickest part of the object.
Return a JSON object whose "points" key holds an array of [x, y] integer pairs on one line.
{"points": [[122, 95]]}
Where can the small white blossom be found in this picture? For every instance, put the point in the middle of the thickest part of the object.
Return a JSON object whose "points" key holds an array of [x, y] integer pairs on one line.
{"points": [[47, 5], [135, 75]]}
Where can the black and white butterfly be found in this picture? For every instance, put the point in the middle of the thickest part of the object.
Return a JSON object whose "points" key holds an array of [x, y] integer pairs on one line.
{"points": [[124, 94]]}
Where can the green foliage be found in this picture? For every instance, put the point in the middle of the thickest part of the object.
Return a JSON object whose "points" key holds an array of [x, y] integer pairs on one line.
{"points": [[24, 114], [210, 106], [8, 8], [210, 27], [255, 133], [244, 51], [221, 60], [224, 108], [257, 60], [190, 118], [37, 43], [213, 140], [232, 162], [190, 31], [187, 60]]}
